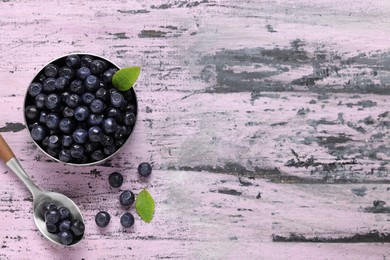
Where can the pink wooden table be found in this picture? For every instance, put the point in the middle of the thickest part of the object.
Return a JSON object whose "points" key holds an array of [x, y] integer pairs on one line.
{"points": [[265, 121]]}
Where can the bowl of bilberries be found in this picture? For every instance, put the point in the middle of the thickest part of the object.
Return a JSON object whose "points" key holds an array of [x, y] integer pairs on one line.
{"points": [[81, 109]]}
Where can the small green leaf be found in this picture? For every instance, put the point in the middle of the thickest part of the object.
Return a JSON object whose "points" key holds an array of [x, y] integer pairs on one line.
{"points": [[145, 205], [125, 78]]}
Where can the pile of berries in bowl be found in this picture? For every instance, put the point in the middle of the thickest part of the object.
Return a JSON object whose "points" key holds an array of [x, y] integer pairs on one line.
{"points": [[75, 114]]}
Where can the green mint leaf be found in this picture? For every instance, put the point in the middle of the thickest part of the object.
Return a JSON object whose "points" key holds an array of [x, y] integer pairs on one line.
{"points": [[145, 205], [125, 78]]}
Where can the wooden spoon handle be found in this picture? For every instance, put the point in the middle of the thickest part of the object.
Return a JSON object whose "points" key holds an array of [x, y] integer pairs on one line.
{"points": [[5, 152]]}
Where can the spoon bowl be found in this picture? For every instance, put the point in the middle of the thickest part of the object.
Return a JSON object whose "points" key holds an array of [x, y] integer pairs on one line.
{"points": [[40, 197], [61, 201]]}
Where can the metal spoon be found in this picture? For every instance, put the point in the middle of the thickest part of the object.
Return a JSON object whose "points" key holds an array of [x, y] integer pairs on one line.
{"points": [[40, 197]]}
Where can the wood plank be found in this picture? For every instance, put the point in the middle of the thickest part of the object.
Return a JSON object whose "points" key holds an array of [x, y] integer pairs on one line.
{"points": [[262, 120]]}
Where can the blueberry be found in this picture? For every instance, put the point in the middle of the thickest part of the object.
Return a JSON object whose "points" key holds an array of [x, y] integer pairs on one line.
{"points": [[51, 70], [40, 100], [77, 227], [53, 101], [80, 136], [109, 125], [91, 146], [67, 72], [108, 74], [68, 112], [109, 149], [64, 96], [46, 206], [66, 141], [91, 83], [114, 113], [61, 83], [126, 198], [52, 121], [41, 77], [87, 98], [97, 106], [82, 160], [45, 141], [42, 117], [86, 61], [73, 100], [130, 108], [120, 132], [77, 87], [81, 113], [95, 134], [64, 225], [117, 99], [127, 220], [51, 227], [129, 119], [66, 125], [66, 238], [77, 151], [119, 143], [102, 219], [64, 213], [32, 112], [94, 119], [52, 216], [103, 84], [97, 67], [35, 88], [83, 73], [49, 85], [97, 155], [73, 61], [54, 142], [53, 152], [102, 93], [144, 169], [107, 140], [115, 179], [64, 155]]}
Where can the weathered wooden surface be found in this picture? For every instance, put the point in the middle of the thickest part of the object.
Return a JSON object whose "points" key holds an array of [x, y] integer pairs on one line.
{"points": [[262, 119]]}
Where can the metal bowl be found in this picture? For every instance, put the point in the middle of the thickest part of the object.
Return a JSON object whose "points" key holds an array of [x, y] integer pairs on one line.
{"points": [[61, 61]]}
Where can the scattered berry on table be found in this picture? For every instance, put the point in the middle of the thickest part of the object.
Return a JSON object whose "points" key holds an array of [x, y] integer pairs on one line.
{"points": [[144, 169], [127, 198], [127, 220], [115, 179], [102, 219]]}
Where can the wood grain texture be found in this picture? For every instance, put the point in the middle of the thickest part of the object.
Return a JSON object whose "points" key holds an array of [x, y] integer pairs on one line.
{"points": [[267, 124]]}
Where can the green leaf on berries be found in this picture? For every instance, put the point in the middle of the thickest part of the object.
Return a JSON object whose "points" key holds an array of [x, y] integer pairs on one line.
{"points": [[144, 205], [125, 78]]}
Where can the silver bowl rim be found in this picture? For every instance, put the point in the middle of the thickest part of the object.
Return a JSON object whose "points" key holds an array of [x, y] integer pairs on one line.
{"points": [[78, 164]]}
